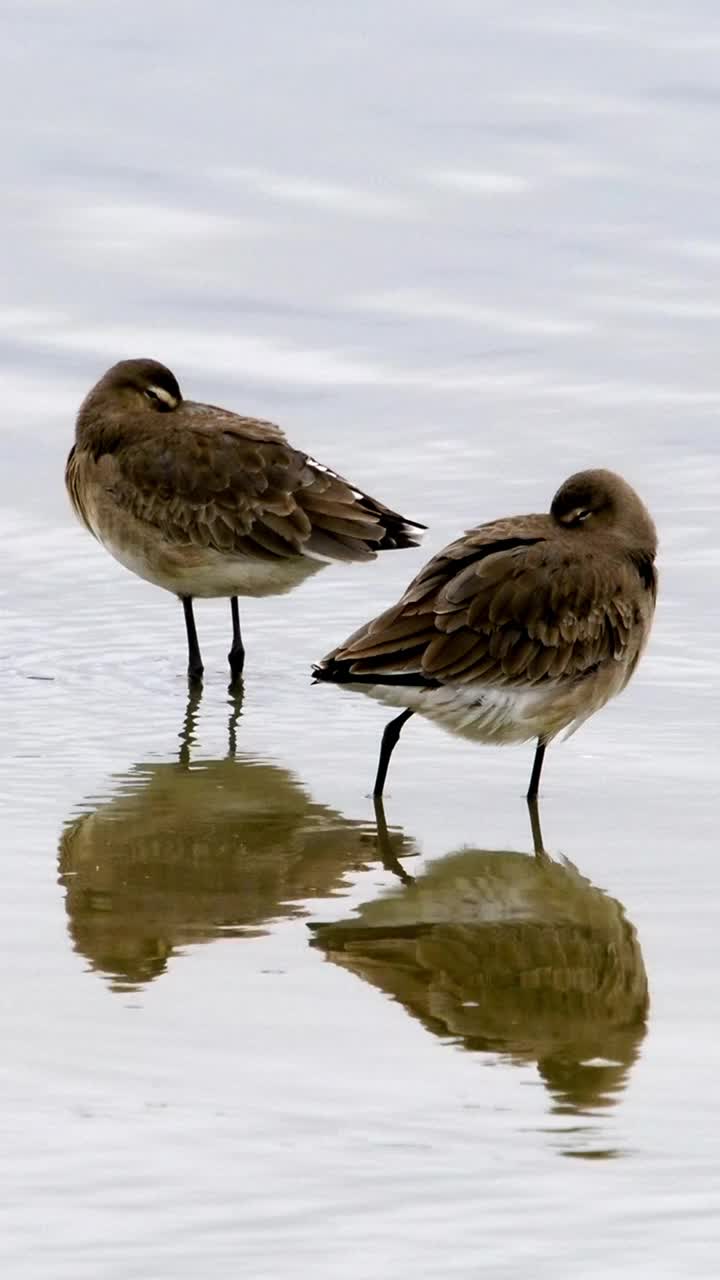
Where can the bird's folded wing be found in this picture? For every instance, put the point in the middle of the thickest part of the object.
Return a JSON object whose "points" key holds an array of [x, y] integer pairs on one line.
{"points": [[239, 488], [501, 606]]}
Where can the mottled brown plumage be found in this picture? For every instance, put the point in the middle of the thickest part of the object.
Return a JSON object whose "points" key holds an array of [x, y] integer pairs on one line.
{"points": [[203, 502], [521, 628]]}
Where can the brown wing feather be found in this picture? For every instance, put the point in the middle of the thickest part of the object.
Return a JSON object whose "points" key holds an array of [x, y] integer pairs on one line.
{"points": [[74, 486], [208, 478], [506, 604]]}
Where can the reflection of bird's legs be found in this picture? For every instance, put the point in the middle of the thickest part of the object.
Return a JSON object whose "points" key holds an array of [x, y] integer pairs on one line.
{"points": [[391, 733], [187, 733], [236, 700], [389, 859]]}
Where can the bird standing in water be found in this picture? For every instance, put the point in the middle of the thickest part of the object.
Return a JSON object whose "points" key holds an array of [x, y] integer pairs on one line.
{"points": [[204, 502], [520, 629]]}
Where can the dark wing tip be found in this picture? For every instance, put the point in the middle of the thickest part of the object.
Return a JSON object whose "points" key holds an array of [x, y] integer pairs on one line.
{"points": [[329, 671], [340, 671], [399, 533]]}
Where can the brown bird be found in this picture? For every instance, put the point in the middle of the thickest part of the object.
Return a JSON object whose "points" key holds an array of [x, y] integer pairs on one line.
{"points": [[520, 629], [204, 502]]}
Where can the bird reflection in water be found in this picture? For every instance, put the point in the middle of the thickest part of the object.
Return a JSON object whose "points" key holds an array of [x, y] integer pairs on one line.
{"points": [[185, 852], [514, 955]]}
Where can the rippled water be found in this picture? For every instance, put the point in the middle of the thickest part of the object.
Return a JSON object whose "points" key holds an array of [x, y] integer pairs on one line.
{"points": [[458, 251]]}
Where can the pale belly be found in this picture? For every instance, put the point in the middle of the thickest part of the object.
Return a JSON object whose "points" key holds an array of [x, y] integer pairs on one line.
{"points": [[205, 573], [502, 715]]}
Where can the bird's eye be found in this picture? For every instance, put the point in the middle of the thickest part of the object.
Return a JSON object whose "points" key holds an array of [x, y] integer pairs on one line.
{"points": [[161, 400], [575, 516]]}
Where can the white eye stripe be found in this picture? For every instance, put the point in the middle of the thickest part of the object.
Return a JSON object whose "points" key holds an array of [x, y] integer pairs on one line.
{"points": [[166, 396]]}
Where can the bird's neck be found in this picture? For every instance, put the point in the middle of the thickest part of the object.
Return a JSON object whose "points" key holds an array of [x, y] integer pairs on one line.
{"points": [[101, 429]]}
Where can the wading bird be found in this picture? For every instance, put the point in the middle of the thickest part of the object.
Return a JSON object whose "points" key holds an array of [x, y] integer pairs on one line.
{"points": [[204, 502], [520, 629]]}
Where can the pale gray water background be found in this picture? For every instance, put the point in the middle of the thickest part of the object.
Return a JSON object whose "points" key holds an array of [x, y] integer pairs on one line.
{"points": [[458, 250]]}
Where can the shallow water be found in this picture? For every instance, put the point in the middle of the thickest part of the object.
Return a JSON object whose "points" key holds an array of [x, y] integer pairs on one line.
{"points": [[458, 251]]}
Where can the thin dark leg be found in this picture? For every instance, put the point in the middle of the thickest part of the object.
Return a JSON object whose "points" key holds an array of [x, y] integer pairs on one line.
{"points": [[389, 740], [539, 847], [236, 656], [536, 769], [195, 663]]}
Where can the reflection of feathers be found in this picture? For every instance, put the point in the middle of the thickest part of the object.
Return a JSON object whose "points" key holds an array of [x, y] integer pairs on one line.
{"points": [[509, 954], [179, 855]]}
